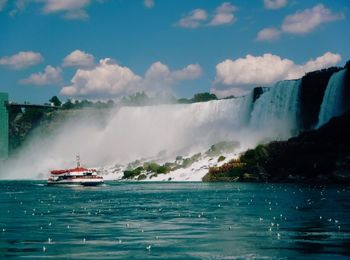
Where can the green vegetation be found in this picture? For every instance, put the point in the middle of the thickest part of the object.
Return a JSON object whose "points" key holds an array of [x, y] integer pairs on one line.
{"points": [[187, 162], [152, 169], [81, 104], [249, 167], [317, 156], [221, 158], [222, 147], [200, 97], [130, 174], [55, 101]]}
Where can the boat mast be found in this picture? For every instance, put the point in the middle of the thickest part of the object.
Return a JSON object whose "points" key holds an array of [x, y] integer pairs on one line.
{"points": [[78, 160]]}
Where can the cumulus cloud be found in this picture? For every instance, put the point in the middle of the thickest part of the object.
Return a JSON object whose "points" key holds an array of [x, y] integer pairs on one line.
{"points": [[307, 20], [301, 22], [275, 4], [224, 14], [159, 78], [268, 34], [70, 9], [267, 69], [50, 76], [78, 58], [51, 6], [149, 3], [22, 60], [2, 4], [109, 78], [193, 19], [73, 9]]}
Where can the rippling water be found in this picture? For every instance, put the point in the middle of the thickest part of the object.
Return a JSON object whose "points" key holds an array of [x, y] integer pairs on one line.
{"points": [[173, 221]]}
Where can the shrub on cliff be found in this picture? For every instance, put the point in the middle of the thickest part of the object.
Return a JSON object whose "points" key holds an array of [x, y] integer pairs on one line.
{"points": [[130, 174]]}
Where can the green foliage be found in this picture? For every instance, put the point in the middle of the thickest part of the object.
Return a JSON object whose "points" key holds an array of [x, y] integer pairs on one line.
{"points": [[221, 158], [151, 166], [141, 177], [222, 147], [203, 97], [163, 169], [68, 104], [137, 99], [156, 168], [80, 104], [231, 175], [55, 100], [187, 162], [255, 157], [130, 174], [200, 97], [184, 101]]}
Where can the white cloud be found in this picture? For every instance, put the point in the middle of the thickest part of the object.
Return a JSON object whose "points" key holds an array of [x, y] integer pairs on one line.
{"points": [[275, 4], [78, 58], [268, 34], [109, 78], [76, 15], [307, 20], [71, 9], [159, 78], [223, 15], [267, 69], [159, 70], [301, 22], [149, 3], [50, 76], [193, 19], [22, 60], [52, 6], [2, 4]]}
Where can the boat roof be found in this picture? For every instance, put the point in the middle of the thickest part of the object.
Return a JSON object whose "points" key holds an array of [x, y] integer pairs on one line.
{"points": [[77, 169]]}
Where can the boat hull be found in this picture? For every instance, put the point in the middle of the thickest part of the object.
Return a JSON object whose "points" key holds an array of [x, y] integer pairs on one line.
{"points": [[83, 182]]}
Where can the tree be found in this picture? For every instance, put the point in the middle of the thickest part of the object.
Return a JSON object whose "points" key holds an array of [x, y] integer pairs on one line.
{"points": [[203, 97], [55, 100], [68, 104]]}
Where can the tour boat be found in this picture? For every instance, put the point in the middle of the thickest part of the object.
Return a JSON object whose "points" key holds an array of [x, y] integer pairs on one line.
{"points": [[78, 176]]}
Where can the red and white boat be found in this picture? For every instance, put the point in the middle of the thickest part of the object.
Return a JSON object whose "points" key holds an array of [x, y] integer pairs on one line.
{"points": [[78, 176]]}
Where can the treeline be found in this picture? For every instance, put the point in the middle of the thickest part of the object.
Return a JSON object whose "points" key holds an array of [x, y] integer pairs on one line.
{"points": [[137, 99]]}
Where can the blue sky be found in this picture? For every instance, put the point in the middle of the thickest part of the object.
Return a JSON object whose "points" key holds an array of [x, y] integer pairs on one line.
{"points": [[119, 47]]}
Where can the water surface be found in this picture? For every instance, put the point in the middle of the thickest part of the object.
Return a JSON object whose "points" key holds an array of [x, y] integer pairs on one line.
{"points": [[173, 221]]}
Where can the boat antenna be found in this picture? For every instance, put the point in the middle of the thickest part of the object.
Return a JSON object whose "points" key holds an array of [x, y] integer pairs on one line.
{"points": [[78, 160]]}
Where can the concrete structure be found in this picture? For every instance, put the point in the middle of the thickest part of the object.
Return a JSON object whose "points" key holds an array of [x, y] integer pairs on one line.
{"points": [[4, 126], [4, 121]]}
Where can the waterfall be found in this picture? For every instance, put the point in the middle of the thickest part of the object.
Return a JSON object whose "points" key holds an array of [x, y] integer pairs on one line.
{"points": [[131, 133], [278, 108], [126, 134], [332, 104]]}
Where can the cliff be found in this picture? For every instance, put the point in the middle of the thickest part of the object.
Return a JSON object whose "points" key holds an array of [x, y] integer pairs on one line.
{"points": [[317, 156]]}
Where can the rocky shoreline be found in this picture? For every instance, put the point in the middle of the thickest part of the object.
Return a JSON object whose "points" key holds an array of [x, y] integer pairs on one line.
{"points": [[316, 156]]}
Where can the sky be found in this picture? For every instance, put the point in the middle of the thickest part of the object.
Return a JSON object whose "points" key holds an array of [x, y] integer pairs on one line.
{"points": [[105, 49]]}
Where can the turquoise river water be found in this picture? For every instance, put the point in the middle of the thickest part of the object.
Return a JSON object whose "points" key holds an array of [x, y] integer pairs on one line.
{"points": [[174, 221]]}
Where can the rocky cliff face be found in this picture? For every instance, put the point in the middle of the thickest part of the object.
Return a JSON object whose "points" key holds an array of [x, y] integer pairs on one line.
{"points": [[316, 156], [313, 86]]}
